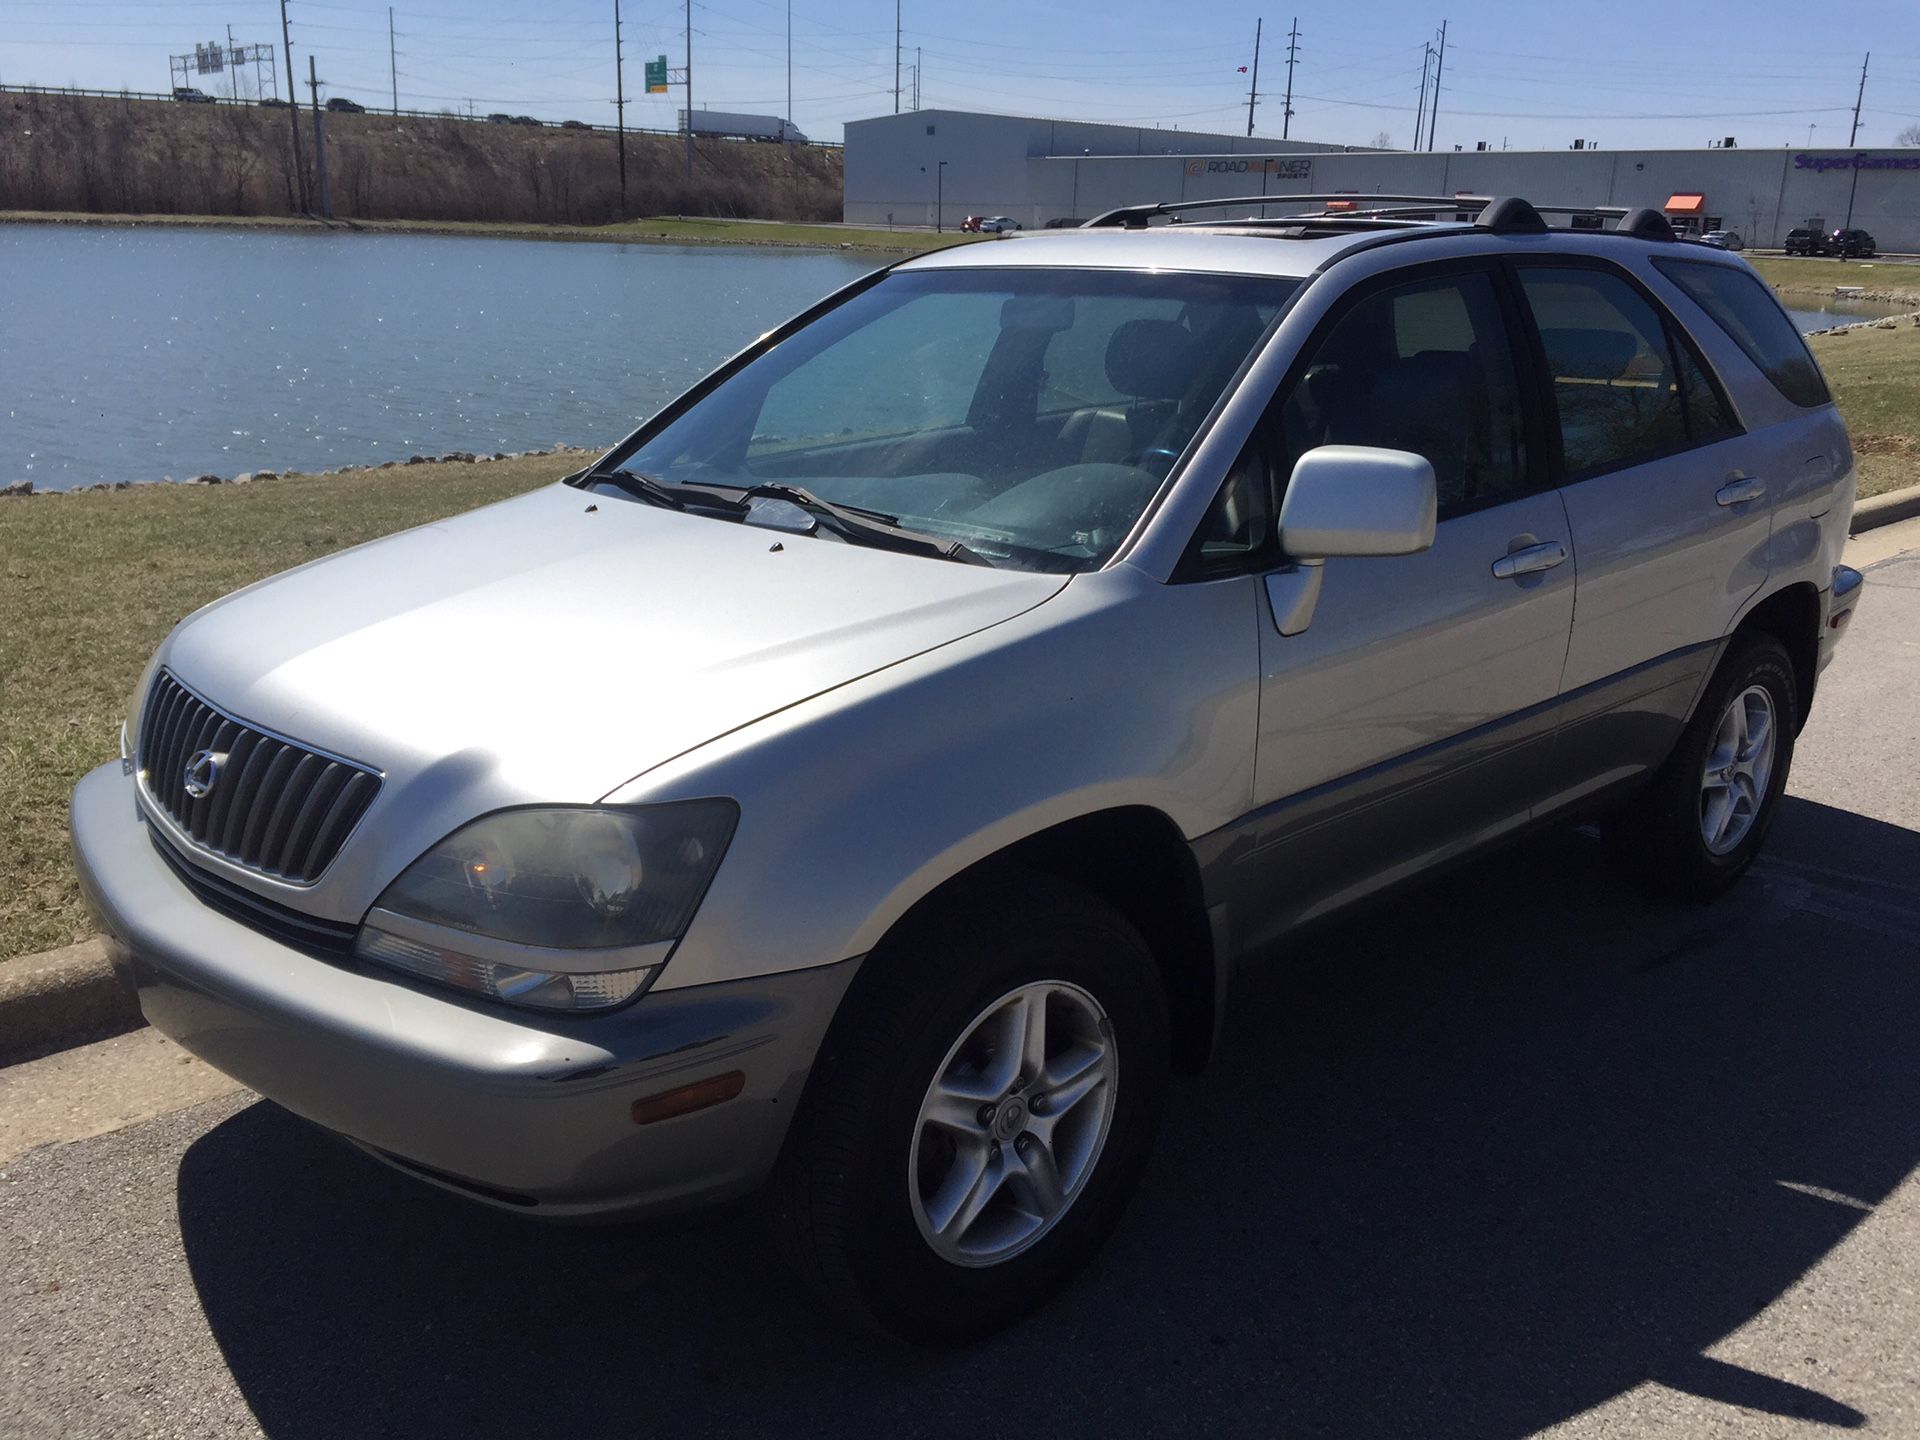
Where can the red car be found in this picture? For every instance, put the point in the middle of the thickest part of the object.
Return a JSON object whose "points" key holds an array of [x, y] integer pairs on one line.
{"points": [[971, 224]]}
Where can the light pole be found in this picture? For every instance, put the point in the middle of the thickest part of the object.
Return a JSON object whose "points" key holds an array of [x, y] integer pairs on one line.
{"points": [[1810, 135], [939, 195]]}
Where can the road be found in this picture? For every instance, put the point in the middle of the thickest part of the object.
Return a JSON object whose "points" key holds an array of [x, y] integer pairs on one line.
{"points": [[1519, 1152]]}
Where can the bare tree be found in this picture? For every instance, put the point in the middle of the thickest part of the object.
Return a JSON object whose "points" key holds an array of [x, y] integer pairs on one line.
{"points": [[1909, 136], [1382, 141]]}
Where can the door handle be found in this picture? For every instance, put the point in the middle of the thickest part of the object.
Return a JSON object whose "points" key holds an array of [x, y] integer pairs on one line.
{"points": [[1530, 560], [1740, 490]]}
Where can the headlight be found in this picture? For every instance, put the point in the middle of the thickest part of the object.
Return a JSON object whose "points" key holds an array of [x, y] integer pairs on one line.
{"points": [[568, 909]]}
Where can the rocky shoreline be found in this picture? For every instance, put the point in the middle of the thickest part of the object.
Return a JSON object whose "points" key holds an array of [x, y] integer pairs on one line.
{"points": [[23, 488]]}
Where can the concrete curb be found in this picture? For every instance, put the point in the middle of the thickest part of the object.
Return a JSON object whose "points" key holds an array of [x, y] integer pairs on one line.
{"points": [[1885, 509], [60, 998]]}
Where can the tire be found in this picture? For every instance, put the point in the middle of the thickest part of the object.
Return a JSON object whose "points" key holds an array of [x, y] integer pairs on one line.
{"points": [[865, 1176], [1663, 839]]}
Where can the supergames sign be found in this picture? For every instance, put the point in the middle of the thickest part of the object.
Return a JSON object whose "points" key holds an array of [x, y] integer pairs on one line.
{"points": [[1856, 161], [1279, 169]]}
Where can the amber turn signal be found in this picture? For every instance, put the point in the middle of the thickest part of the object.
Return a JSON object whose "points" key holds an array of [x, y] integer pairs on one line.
{"points": [[689, 1098]]}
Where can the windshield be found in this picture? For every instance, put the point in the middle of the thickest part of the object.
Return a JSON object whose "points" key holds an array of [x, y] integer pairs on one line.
{"points": [[1030, 414]]}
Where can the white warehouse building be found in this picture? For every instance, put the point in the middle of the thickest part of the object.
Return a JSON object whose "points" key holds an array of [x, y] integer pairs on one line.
{"points": [[939, 166]]}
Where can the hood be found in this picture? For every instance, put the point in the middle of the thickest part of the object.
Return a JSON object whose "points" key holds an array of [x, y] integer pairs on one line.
{"points": [[554, 646]]}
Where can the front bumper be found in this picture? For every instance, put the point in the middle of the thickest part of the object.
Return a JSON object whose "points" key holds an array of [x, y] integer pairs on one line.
{"points": [[523, 1110]]}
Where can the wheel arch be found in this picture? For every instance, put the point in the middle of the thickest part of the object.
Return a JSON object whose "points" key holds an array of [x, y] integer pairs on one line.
{"points": [[1791, 615], [1135, 859]]}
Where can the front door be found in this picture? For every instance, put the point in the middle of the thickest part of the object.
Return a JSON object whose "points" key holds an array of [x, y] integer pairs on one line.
{"points": [[1411, 719]]}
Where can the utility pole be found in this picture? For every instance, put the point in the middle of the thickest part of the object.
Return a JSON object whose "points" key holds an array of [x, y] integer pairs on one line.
{"points": [[1293, 51], [689, 89], [1439, 66], [1859, 95], [1420, 114], [896, 57], [293, 114], [788, 117], [393, 63], [620, 109], [916, 77], [1253, 84], [319, 144], [232, 68]]}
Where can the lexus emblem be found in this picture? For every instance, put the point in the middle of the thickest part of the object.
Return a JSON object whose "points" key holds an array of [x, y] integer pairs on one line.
{"points": [[203, 772]]}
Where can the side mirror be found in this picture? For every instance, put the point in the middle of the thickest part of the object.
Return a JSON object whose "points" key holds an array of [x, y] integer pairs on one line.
{"points": [[1356, 500], [1347, 500]]}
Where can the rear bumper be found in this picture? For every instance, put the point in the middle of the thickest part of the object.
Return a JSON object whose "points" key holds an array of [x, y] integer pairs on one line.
{"points": [[1841, 600], [515, 1108]]}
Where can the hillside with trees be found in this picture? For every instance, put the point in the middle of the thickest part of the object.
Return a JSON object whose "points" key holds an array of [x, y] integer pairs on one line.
{"points": [[157, 157]]}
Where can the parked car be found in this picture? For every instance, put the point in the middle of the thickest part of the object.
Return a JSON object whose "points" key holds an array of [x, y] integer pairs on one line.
{"points": [[865, 780], [1802, 241], [271, 102], [1064, 222], [971, 225], [998, 224], [340, 105], [525, 120], [499, 118], [1724, 240], [575, 125], [1850, 244], [187, 95]]}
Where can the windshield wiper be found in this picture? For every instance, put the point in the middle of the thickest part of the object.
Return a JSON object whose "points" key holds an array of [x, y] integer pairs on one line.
{"points": [[866, 527], [673, 497]]}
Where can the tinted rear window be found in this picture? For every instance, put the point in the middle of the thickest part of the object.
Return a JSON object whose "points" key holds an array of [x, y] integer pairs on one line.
{"points": [[1747, 311]]}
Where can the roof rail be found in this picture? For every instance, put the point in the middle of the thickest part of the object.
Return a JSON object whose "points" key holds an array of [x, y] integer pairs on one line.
{"points": [[1503, 215], [1135, 217], [1647, 224]]}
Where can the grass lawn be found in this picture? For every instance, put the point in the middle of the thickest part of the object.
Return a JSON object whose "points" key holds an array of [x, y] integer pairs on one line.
{"points": [[91, 583], [1875, 376], [661, 229], [1798, 276]]}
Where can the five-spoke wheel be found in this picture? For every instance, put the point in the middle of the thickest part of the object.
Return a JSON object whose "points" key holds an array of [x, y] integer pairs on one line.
{"points": [[1013, 1123]]}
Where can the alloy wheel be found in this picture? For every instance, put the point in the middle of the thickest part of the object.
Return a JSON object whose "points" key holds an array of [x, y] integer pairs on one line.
{"points": [[1013, 1123], [1739, 765]]}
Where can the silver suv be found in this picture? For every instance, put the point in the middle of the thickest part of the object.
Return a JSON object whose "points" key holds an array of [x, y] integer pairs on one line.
{"points": [[862, 785]]}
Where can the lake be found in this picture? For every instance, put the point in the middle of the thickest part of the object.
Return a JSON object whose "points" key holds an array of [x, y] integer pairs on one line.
{"points": [[134, 354], [1828, 313]]}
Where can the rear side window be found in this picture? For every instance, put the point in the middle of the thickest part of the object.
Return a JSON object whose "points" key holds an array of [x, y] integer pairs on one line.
{"points": [[1747, 311], [1627, 391]]}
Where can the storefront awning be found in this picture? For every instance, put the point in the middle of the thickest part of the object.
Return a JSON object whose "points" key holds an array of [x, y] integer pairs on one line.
{"points": [[1686, 203]]}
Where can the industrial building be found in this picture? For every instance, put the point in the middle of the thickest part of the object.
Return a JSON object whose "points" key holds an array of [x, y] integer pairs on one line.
{"points": [[929, 167]]}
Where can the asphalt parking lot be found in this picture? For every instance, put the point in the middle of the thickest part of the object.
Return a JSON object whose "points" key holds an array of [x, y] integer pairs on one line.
{"points": [[1517, 1152]]}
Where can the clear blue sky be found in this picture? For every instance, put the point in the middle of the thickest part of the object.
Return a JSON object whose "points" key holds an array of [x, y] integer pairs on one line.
{"points": [[1533, 76]]}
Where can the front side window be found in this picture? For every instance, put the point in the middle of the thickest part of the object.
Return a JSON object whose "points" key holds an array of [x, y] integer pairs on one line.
{"points": [[1030, 414], [1626, 389], [1425, 367], [1743, 307]]}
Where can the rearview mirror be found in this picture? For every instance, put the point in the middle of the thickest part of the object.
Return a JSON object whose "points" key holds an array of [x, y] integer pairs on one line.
{"points": [[1347, 500]]}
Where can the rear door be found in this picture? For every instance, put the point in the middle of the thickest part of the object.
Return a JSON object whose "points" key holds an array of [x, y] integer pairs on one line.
{"points": [[1668, 502], [1408, 721]]}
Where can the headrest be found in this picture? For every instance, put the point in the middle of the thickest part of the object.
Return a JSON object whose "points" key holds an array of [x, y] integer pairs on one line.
{"points": [[1590, 354], [1443, 385], [1150, 359]]}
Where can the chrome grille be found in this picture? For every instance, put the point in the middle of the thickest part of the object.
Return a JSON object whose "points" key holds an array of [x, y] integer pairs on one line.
{"points": [[277, 807]]}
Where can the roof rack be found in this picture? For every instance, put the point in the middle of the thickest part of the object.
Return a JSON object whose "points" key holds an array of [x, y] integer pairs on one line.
{"points": [[1503, 215]]}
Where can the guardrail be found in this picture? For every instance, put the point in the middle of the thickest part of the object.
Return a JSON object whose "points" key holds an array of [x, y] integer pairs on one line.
{"points": [[275, 103]]}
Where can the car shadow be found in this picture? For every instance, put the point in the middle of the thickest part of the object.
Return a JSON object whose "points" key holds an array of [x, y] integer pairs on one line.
{"points": [[1502, 1148]]}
